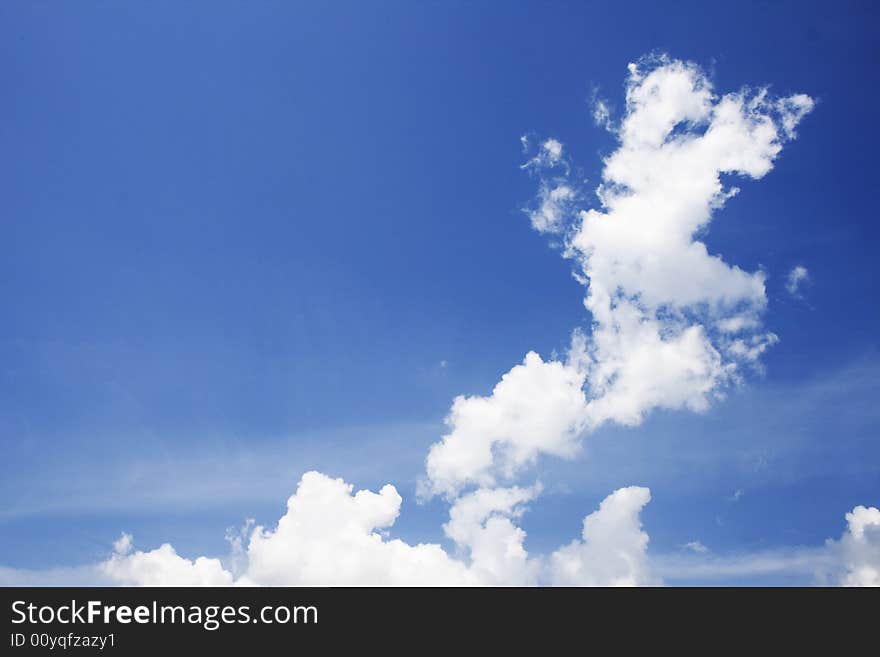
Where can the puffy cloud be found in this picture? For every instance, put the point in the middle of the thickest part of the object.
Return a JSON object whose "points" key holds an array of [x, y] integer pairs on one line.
{"points": [[161, 567], [858, 550], [613, 551], [537, 407], [331, 535], [124, 544], [796, 277], [657, 296], [483, 522], [672, 323], [640, 366], [549, 154]]}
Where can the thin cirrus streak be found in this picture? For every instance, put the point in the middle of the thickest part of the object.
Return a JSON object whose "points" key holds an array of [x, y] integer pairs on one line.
{"points": [[673, 325]]}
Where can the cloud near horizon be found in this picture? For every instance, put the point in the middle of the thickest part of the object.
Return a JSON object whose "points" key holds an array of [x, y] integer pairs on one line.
{"points": [[672, 326], [332, 536]]}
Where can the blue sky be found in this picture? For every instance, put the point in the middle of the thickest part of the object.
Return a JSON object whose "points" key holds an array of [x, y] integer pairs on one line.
{"points": [[241, 242]]}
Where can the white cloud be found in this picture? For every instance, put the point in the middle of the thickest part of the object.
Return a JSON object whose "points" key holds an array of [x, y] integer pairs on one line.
{"points": [[696, 546], [672, 326], [537, 407], [602, 114], [796, 277], [552, 150], [162, 567], [555, 202], [656, 294], [333, 536], [792, 110], [613, 549], [858, 550], [330, 536], [482, 521]]}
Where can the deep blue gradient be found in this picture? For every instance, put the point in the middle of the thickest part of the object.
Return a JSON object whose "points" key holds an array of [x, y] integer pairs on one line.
{"points": [[241, 240]]}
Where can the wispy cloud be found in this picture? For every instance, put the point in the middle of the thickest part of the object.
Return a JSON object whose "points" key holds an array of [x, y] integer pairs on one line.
{"points": [[796, 279], [218, 471], [851, 560], [696, 546], [697, 566]]}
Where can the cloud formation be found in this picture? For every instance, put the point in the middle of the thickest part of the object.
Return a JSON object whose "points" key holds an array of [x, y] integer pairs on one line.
{"points": [[331, 535], [672, 326], [537, 407], [795, 279], [161, 567], [613, 550], [858, 550], [672, 323]]}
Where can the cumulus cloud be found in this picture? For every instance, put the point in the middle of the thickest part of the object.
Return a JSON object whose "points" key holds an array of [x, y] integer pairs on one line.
{"points": [[613, 549], [162, 567], [796, 278], [672, 325], [331, 535], [483, 523], [857, 552], [537, 407]]}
